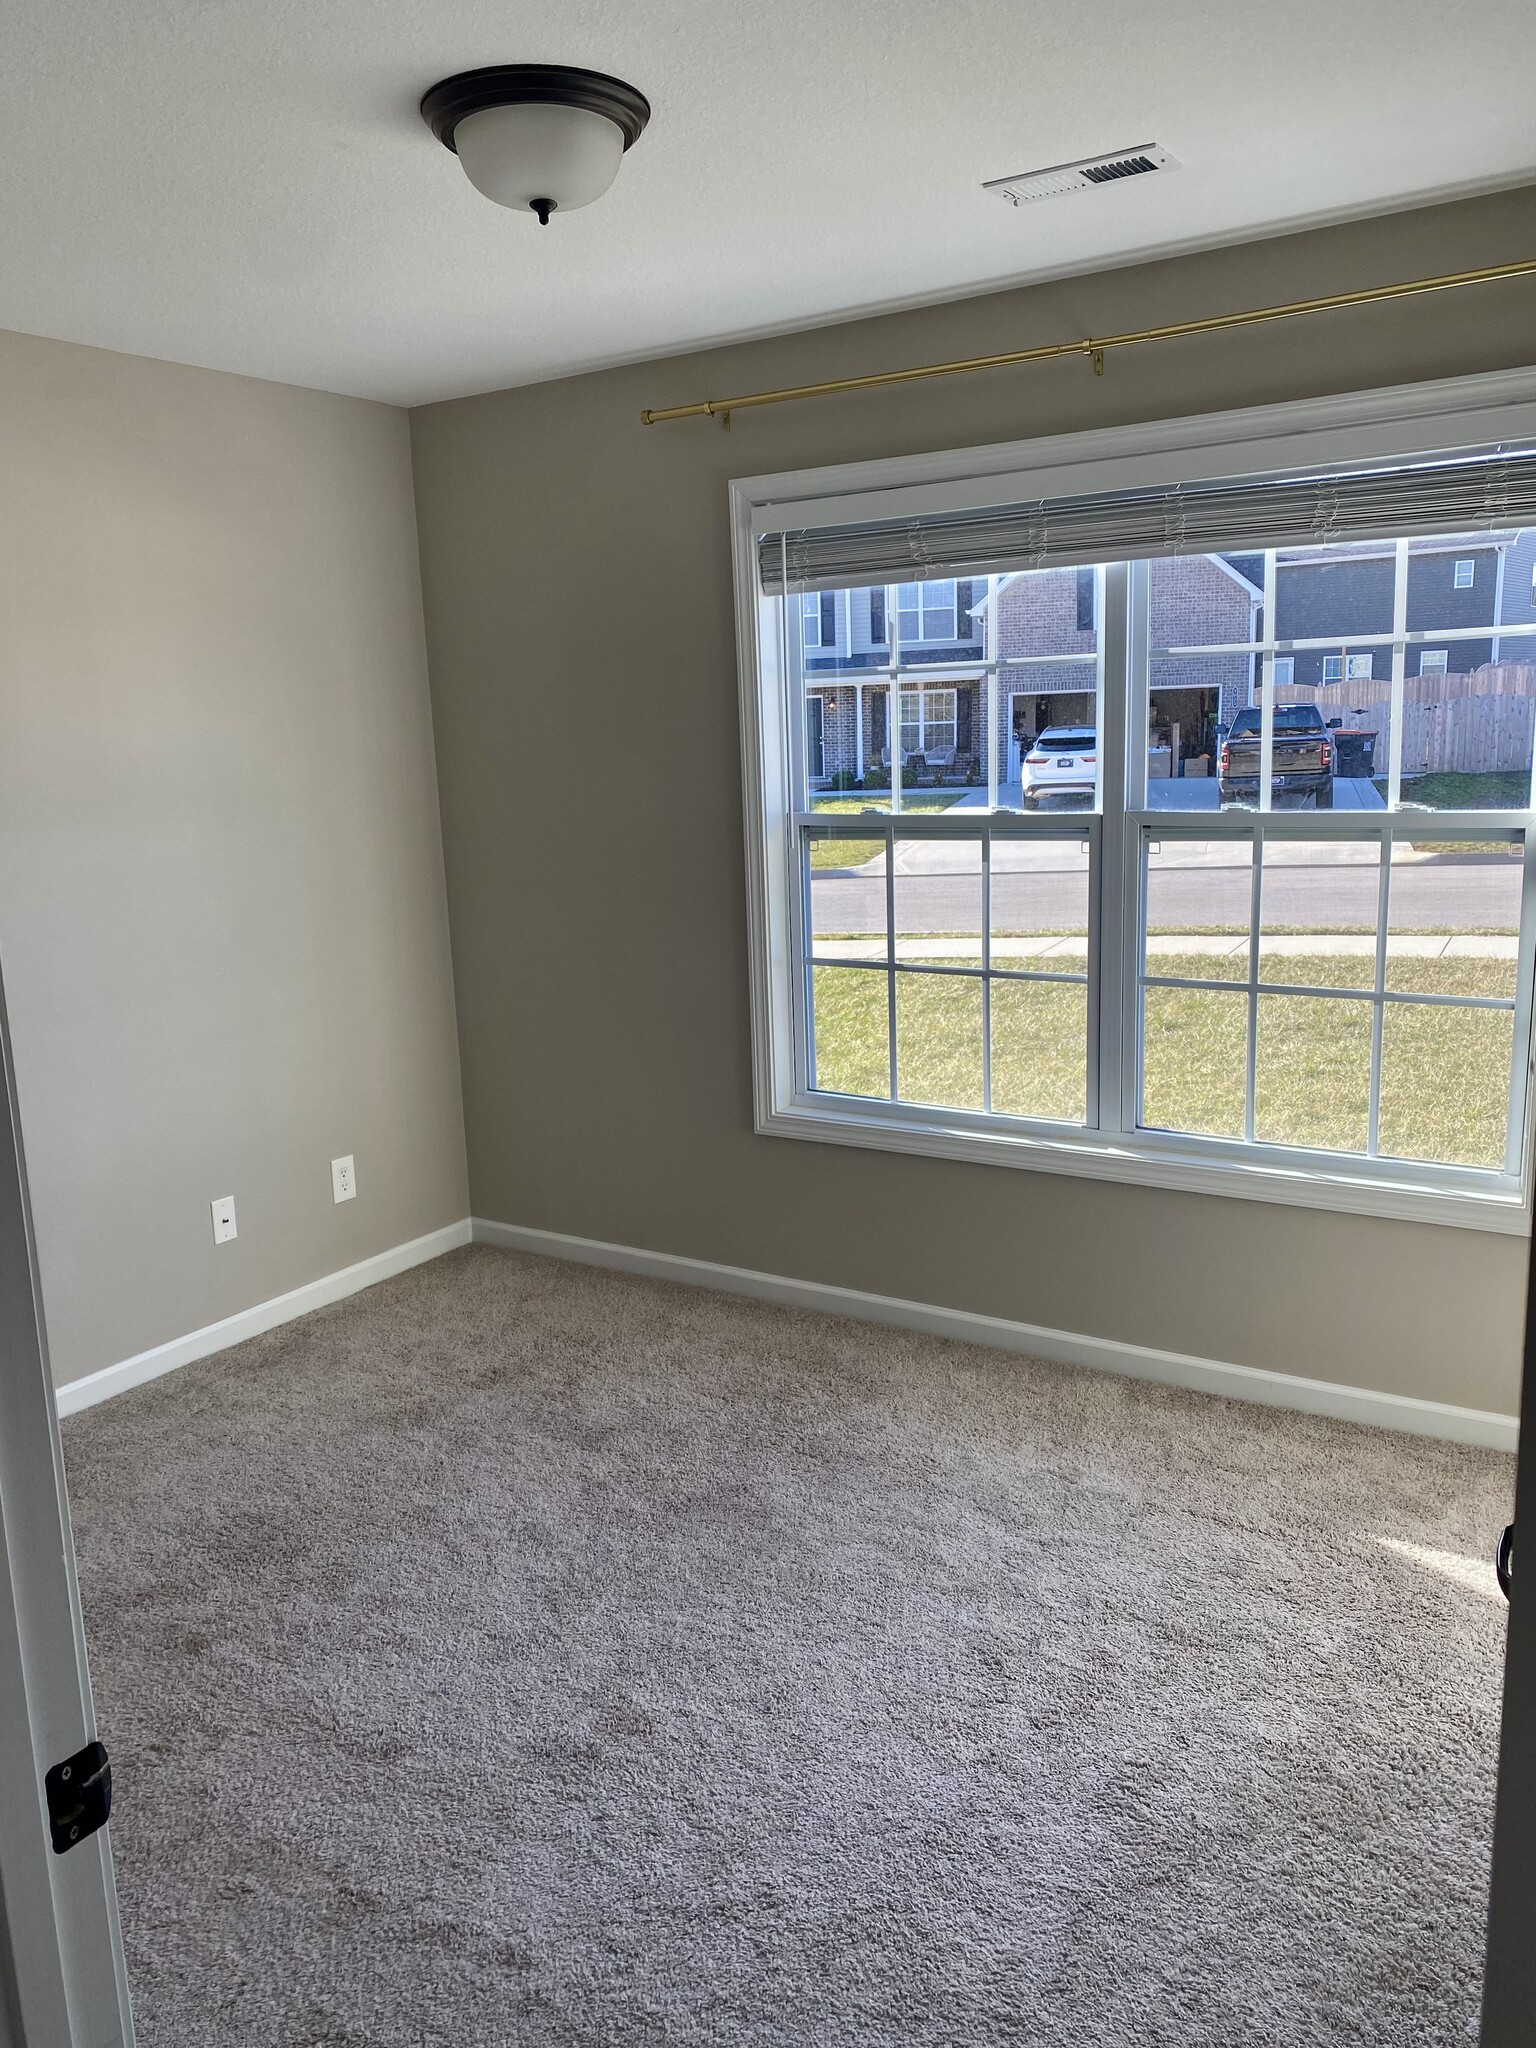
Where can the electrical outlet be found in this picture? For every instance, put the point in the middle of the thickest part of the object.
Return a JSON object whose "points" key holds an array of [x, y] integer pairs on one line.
{"points": [[224, 1219], [343, 1179]]}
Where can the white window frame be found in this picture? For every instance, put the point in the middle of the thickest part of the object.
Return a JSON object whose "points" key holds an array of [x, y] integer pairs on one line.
{"points": [[1434, 661], [1467, 581], [1463, 414], [1285, 670]]}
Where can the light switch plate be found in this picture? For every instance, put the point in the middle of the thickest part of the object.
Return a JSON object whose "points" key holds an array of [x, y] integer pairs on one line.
{"points": [[224, 1219], [343, 1179]]}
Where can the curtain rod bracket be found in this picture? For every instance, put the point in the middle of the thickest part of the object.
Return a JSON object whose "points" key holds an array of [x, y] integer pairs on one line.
{"points": [[1096, 355]]}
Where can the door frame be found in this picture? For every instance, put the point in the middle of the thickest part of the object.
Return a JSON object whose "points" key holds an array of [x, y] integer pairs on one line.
{"points": [[65, 1982], [1509, 1982]]}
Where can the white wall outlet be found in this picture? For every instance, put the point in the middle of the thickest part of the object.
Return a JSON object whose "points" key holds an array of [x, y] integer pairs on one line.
{"points": [[343, 1179], [224, 1219]]}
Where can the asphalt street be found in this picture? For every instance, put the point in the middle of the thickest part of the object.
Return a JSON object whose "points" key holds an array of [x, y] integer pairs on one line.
{"points": [[1193, 890]]}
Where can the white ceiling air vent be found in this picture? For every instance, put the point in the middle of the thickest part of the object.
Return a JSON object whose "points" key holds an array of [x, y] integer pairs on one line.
{"points": [[1058, 179]]}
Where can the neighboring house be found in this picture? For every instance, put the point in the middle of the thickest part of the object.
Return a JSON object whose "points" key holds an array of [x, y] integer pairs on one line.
{"points": [[848, 632], [1517, 597], [953, 628], [1469, 704], [1347, 590], [1195, 600]]}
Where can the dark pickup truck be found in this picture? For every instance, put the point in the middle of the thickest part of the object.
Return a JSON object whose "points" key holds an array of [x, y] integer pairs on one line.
{"points": [[1302, 763]]}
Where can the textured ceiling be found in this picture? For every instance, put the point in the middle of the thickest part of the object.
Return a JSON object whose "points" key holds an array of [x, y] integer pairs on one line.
{"points": [[246, 183]]}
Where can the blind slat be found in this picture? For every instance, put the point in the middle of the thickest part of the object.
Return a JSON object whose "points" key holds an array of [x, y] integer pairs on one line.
{"points": [[1488, 494]]}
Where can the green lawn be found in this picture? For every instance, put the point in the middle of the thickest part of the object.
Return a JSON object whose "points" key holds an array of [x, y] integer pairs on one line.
{"points": [[1445, 1073], [852, 853], [1447, 790]]}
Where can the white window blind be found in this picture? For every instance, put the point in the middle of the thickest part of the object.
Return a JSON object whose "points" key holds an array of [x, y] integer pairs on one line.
{"points": [[1488, 493]]}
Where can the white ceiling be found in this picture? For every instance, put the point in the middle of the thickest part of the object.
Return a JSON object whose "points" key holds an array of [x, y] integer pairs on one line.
{"points": [[246, 184]]}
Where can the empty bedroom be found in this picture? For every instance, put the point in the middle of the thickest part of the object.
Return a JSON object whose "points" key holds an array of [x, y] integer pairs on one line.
{"points": [[768, 925]]}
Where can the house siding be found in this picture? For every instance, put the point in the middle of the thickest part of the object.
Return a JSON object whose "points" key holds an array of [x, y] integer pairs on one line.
{"points": [[1518, 606], [1352, 594]]}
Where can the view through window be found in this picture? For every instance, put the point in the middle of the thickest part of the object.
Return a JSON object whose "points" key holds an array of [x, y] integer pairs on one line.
{"points": [[1218, 851]]}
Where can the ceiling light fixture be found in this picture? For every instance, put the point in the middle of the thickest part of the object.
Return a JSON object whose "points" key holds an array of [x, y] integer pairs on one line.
{"points": [[537, 136]]}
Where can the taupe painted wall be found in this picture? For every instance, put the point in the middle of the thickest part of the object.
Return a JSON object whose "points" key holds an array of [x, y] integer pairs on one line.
{"points": [[579, 617], [222, 916]]}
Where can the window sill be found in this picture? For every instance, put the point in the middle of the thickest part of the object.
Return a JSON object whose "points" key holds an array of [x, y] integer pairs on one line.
{"points": [[1495, 1206]]}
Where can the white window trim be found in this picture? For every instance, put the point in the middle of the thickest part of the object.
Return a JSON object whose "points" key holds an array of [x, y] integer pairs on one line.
{"points": [[1434, 661], [1467, 582], [1285, 670], [1460, 414]]}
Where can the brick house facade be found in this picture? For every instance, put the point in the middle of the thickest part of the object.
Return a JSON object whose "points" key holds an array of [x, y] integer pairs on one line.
{"points": [[1033, 614]]}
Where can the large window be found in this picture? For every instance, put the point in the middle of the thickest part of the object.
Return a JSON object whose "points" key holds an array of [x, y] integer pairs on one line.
{"points": [[1239, 889]]}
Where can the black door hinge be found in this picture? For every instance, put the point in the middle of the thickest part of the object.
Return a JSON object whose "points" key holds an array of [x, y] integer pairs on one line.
{"points": [[79, 1796]]}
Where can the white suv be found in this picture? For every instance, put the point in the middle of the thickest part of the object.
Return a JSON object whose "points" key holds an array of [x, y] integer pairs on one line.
{"points": [[1064, 761]]}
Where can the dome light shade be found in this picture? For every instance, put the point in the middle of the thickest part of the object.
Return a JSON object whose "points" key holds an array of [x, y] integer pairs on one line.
{"points": [[520, 155], [539, 137]]}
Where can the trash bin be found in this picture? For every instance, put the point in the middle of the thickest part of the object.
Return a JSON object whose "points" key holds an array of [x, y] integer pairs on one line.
{"points": [[1354, 753]]}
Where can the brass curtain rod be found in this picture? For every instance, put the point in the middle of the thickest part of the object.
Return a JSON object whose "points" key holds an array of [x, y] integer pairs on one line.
{"points": [[709, 408]]}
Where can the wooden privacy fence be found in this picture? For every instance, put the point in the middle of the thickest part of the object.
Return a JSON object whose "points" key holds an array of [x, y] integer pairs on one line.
{"points": [[1476, 724]]}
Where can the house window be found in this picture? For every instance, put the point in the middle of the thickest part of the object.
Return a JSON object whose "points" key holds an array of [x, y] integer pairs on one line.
{"points": [[1285, 668], [1434, 661], [1465, 575], [928, 722], [877, 618], [1184, 963], [1087, 584], [819, 609], [925, 613]]}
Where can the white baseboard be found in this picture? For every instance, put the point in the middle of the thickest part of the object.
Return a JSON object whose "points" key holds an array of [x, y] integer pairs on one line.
{"points": [[1064, 1347], [251, 1322]]}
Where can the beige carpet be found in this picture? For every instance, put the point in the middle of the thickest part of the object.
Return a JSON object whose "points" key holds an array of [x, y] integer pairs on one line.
{"points": [[521, 1654]]}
